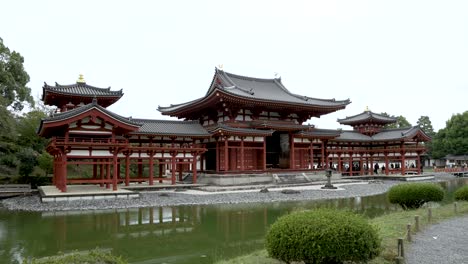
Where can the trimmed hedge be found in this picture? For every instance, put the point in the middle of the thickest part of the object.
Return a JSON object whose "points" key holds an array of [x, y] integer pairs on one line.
{"points": [[462, 193], [322, 236], [414, 195]]}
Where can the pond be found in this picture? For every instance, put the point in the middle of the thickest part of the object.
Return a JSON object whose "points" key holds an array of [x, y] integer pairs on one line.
{"points": [[181, 234]]}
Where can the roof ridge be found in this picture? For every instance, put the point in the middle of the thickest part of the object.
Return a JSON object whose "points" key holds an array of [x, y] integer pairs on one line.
{"points": [[165, 120]]}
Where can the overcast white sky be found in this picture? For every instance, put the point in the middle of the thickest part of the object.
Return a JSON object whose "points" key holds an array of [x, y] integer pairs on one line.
{"points": [[405, 58]]}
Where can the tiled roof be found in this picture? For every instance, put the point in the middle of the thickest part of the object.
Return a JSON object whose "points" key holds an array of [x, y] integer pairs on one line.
{"points": [[171, 127], [80, 89], [397, 133], [279, 125], [353, 136], [384, 135], [320, 133], [85, 108], [237, 130], [269, 90], [264, 90], [366, 117]]}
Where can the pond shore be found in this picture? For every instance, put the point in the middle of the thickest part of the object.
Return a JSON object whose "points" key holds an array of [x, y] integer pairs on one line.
{"points": [[193, 197]]}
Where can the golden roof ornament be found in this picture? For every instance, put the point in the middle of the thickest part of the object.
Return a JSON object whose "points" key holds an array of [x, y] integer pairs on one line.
{"points": [[367, 109], [81, 79], [220, 66]]}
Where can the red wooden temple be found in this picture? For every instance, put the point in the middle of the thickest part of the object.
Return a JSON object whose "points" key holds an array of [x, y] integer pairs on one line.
{"points": [[242, 125]]}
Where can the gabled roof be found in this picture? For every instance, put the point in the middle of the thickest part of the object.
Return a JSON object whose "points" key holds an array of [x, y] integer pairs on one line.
{"points": [[385, 135], [59, 118], [221, 128], [256, 90], [51, 95], [279, 125], [319, 133], [367, 117], [171, 128]]}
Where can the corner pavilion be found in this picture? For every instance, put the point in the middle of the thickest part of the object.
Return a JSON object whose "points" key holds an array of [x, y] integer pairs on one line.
{"points": [[242, 125]]}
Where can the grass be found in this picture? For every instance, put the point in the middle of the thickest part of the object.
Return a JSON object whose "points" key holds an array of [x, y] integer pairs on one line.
{"points": [[95, 256], [391, 227]]}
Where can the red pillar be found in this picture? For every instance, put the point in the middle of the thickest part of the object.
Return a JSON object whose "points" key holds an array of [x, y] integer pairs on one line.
{"points": [[292, 160], [115, 172], [180, 167], [322, 160], [218, 165], [242, 154], [226, 154], [107, 173], [311, 155], [403, 158], [101, 172], [151, 176], [140, 168], [418, 163], [194, 168], [371, 167], [94, 169], [173, 161], [64, 172], [264, 154], [161, 170], [127, 170], [386, 163]]}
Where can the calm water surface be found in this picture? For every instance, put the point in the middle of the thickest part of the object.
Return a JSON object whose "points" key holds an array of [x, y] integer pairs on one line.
{"points": [[181, 234]]}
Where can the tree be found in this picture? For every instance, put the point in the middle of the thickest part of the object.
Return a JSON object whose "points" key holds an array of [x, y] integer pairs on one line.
{"points": [[453, 139], [13, 79], [426, 125], [46, 163], [401, 121], [7, 130], [28, 159], [27, 130]]}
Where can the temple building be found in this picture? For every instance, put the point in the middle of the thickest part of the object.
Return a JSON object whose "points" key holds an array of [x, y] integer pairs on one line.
{"points": [[243, 125]]}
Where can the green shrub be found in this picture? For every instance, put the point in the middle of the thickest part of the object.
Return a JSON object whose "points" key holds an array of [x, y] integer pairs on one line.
{"points": [[462, 193], [322, 236], [414, 195]]}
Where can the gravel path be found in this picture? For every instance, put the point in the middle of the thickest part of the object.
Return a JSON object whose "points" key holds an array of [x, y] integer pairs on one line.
{"points": [[445, 242], [171, 198]]}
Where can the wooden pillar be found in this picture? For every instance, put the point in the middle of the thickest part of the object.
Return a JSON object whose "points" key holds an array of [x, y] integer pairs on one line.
{"points": [[403, 158], [115, 171], [194, 167], [160, 171], [418, 162], [311, 154], [242, 154], [107, 173], [140, 168], [151, 173], [127, 170], [264, 154], [119, 161], [386, 163], [322, 160], [64, 172], [94, 169], [180, 168], [371, 167], [350, 163], [292, 158], [226, 154], [173, 165], [218, 161], [361, 163], [101, 171]]}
